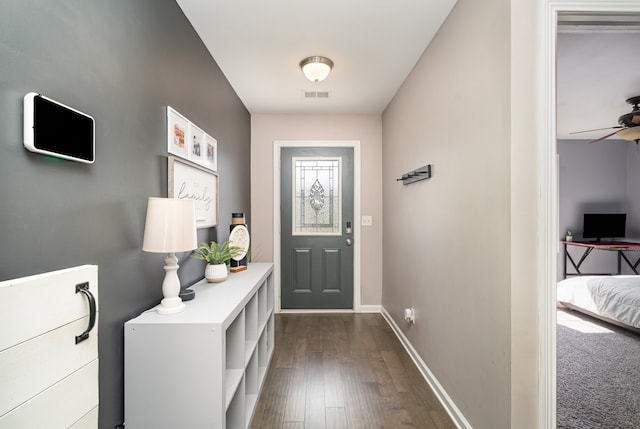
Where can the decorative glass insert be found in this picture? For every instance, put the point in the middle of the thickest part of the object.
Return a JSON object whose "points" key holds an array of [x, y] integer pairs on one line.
{"points": [[317, 196]]}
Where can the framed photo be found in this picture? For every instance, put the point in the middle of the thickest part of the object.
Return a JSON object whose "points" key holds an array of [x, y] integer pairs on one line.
{"points": [[177, 133], [210, 153], [187, 180], [186, 140], [196, 144]]}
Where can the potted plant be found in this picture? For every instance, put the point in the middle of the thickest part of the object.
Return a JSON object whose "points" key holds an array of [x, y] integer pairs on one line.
{"points": [[217, 257], [569, 236]]}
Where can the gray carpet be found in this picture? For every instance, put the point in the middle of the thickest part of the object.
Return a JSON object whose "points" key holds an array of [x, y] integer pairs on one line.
{"points": [[598, 374]]}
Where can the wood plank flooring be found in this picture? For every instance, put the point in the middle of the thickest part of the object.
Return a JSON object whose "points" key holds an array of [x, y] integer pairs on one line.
{"points": [[334, 371]]}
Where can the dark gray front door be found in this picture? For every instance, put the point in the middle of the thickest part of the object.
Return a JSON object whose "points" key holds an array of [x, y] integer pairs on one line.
{"points": [[316, 203]]}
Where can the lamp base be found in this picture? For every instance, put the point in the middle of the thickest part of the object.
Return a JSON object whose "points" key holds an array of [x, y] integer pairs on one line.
{"points": [[170, 306], [171, 303], [187, 294]]}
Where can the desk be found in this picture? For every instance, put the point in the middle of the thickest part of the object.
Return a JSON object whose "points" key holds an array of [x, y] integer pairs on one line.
{"points": [[619, 247]]}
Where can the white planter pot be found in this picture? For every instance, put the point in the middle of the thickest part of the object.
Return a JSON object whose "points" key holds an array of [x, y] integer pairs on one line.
{"points": [[216, 273]]}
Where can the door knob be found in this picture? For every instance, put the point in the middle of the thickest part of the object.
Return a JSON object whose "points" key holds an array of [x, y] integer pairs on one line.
{"points": [[349, 242]]}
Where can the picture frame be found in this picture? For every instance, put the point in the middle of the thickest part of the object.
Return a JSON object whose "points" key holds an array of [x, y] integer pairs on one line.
{"points": [[177, 133], [188, 180], [210, 154], [186, 140], [197, 150]]}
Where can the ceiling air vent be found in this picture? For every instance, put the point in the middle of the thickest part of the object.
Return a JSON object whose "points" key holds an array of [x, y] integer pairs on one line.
{"points": [[316, 94]]}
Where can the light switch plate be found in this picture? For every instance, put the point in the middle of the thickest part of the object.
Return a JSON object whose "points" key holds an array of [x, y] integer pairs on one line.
{"points": [[367, 221]]}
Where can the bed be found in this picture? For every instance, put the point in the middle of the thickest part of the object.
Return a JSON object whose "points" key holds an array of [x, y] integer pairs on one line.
{"points": [[615, 299]]}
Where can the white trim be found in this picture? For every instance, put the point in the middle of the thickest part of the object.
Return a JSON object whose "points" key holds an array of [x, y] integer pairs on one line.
{"points": [[317, 311], [548, 186], [363, 309], [546, 220], [370, 309], [277, 147], [442, 395]]}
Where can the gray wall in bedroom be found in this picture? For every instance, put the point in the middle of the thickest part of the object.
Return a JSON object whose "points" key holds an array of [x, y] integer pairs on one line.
{"points": [[121, 62], [633, 189], [599, 177]]}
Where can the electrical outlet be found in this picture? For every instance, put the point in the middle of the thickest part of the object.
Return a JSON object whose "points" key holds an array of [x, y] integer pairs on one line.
{"points": [[367, 221], [410, 315]]}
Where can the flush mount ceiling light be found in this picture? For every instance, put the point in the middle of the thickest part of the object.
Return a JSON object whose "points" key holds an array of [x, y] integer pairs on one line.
{"points": [[316, 68]]}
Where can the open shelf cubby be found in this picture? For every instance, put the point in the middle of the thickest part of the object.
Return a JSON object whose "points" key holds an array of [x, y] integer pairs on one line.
{"points": [[234, 339], [251, 327], [224, 339], [236, 412], [262, 306]]}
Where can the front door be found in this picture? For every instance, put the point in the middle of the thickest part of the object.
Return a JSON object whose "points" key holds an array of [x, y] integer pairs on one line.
{"points": [[316, 227]]}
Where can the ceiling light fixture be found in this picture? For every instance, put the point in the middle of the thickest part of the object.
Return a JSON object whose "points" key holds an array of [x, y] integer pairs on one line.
{"points": [[316, 68]]}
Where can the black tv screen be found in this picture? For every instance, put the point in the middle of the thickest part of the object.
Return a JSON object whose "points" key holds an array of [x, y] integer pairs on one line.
{"points": [[604, 225]]}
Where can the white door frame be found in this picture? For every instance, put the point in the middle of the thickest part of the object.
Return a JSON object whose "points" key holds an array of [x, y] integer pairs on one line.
{"points": [[277, 148], [548, 185]]}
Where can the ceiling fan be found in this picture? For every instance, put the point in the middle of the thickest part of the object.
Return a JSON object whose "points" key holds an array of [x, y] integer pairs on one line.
{"points": [[629, 128]]}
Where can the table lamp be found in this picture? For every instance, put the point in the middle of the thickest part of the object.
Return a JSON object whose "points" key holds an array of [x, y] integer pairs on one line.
{"points": [[170, 227]]}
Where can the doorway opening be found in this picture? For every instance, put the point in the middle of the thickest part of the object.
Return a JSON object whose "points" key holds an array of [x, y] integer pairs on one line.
{"points": [[552, 13]]}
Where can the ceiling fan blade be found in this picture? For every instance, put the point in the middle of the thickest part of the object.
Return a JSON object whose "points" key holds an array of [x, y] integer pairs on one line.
{"points": [[597, 129], [630, 134], [604, 137]]}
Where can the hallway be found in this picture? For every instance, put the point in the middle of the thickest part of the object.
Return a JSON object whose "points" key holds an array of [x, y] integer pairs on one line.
{"points": [[344, 370]]}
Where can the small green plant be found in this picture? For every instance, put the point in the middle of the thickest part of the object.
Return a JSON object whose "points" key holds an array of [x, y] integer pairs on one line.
{"points": [[215, 253], [569, 234]]}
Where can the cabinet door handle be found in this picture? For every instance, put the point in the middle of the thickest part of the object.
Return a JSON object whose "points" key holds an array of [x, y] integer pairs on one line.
{"points": [[84, 289]]}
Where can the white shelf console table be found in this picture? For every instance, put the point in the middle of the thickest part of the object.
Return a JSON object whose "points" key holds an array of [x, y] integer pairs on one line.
{"points": [[204, 367]]}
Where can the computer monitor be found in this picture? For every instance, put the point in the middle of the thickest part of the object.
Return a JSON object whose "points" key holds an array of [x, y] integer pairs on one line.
{"points": [[604, 225]]}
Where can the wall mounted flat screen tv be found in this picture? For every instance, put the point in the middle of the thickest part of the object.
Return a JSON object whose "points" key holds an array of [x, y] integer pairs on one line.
{"points": [[604, 225], [51, 128]]}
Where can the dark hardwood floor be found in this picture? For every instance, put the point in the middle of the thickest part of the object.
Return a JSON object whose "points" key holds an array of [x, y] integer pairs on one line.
{"points": [[343, 371]]}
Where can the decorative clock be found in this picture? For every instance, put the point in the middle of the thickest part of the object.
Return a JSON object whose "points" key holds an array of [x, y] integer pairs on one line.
{"points": [[239, 237]]}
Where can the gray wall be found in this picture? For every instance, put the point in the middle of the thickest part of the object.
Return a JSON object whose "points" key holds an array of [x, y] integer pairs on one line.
{"points": [[633, 190], [447, 240], [121, 62], [597, 178]]}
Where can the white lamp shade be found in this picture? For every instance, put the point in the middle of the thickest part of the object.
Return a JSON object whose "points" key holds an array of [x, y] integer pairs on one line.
{"points": [[170, 226]]}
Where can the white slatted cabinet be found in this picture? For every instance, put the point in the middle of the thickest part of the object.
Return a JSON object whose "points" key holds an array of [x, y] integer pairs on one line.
{"points": [[204, 367], [46, 379]]}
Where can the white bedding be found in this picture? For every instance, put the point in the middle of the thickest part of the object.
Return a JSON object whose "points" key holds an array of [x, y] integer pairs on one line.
{"points": [[614, 297]]}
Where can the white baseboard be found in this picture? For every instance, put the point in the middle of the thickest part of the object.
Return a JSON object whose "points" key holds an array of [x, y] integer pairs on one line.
{"points": [[437, 388], [369, 309], [313, 311], [362, 309]]}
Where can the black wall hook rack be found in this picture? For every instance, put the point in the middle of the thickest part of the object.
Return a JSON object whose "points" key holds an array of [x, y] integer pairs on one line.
{"points": [[416, 175]]}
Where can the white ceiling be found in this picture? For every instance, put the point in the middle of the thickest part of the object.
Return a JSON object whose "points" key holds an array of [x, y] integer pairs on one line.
{"points": [[598, 69], [259, 44], [375, 43]]}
